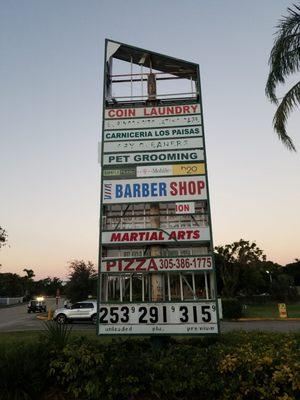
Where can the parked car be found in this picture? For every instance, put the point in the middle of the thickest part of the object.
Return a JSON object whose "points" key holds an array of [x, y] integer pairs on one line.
{"points": [[36, 306], [80, 311]]}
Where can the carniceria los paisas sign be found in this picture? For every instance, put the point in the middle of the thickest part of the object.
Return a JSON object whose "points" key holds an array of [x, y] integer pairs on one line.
{"points": [[174, 236], [153, 189], [145, 134]]}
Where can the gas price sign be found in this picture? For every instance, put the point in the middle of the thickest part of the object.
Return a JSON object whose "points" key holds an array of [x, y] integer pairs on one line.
{"points": [[147, 318], [156, 261]]}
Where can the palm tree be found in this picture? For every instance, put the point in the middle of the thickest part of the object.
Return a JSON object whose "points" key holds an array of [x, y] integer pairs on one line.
{"points": [[285, 60]]}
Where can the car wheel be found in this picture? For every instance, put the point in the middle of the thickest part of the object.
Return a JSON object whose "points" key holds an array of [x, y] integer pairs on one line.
{"points": [[94, 319], [61, 319]]}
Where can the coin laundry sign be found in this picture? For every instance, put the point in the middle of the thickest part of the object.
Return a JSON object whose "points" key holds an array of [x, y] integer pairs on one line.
{"points": [[154, 189], [152, 111]]}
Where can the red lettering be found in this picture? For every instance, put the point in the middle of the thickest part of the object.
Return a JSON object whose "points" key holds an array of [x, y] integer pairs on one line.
{"points": [[200, 186], [141, 263], [153, 236], [152, 265], [180, 235], [161, 236], [131, 112], [186, 109], [182, 188], [173, 188], [192, 188], [134, 236], [170, 110], [128, 265], [189, 234], [194, 107], [111, 113], [110, 264], [173, 235], [125, 237], [115, 237], [196, 234]]}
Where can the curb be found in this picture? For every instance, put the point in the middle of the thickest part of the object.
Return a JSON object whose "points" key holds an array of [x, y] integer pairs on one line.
{"points": [[266, 319], [42, 317]]}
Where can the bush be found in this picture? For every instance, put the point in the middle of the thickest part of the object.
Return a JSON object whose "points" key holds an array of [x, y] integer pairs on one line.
{"points": [[23, 371], [234, 366], [232, 309], [242, 366]]}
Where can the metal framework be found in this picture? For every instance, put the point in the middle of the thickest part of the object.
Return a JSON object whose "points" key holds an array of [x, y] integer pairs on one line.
{"points": [[156, 268]]}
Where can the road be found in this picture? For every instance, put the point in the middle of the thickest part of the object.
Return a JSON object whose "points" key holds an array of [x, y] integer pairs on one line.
{"points": [[17, 319]]}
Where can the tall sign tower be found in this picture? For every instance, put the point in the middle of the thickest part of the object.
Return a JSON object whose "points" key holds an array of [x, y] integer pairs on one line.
{"points": [[156, 266]]}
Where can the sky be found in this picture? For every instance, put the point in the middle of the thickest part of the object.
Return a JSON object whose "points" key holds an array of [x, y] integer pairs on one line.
{"points": [[51, 75]]}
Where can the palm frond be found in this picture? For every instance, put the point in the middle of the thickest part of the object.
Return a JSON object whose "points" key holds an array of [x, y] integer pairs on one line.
{"points": [[288, 103], [285, 54]]}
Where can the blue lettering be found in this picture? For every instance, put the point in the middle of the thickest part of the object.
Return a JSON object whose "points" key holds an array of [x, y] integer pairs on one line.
{"points": [[119, 191], [127, 191], [162, 189], [154, 189], [136, 190], [145, 189]]}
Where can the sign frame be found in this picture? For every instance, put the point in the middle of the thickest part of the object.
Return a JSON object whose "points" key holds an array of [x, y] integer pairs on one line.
{"points": [[191, 122]]}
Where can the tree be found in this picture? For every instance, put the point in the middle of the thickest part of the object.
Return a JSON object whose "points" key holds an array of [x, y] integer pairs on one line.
{"points": [[28, 282], [238, 267], [48, 286], [3, 237], [293, 270], [11, 285], [285, 60], [82, 281]]}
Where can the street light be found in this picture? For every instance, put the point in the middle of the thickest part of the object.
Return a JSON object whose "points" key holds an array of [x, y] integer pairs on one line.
{"points": [[270, 276]]}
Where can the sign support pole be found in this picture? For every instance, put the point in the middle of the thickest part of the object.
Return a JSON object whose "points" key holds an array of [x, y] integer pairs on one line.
{"points": [[156, 279]]}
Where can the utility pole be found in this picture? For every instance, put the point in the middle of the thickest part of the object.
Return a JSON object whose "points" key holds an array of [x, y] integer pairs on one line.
{"points": [[155, 250]]}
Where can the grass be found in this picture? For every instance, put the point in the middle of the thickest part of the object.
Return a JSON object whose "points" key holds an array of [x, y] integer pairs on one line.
{"points": [[33, 336], [270, 310]]}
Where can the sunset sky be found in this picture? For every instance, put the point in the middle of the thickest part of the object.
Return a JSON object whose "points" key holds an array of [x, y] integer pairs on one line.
{"points": [[51, 74]]}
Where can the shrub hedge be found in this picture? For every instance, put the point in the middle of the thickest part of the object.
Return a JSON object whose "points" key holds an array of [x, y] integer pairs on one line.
{"points": [[242, 366], [232, 308]]}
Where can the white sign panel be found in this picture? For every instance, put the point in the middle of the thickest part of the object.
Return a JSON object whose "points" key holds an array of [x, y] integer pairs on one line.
{"points": [[155, 170], [157, 264], [140, 236], [164, 318], [163, 133], [145, 145], [154, 189], [160, 122], [184, 109], [185, 208], [153, 157]]}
